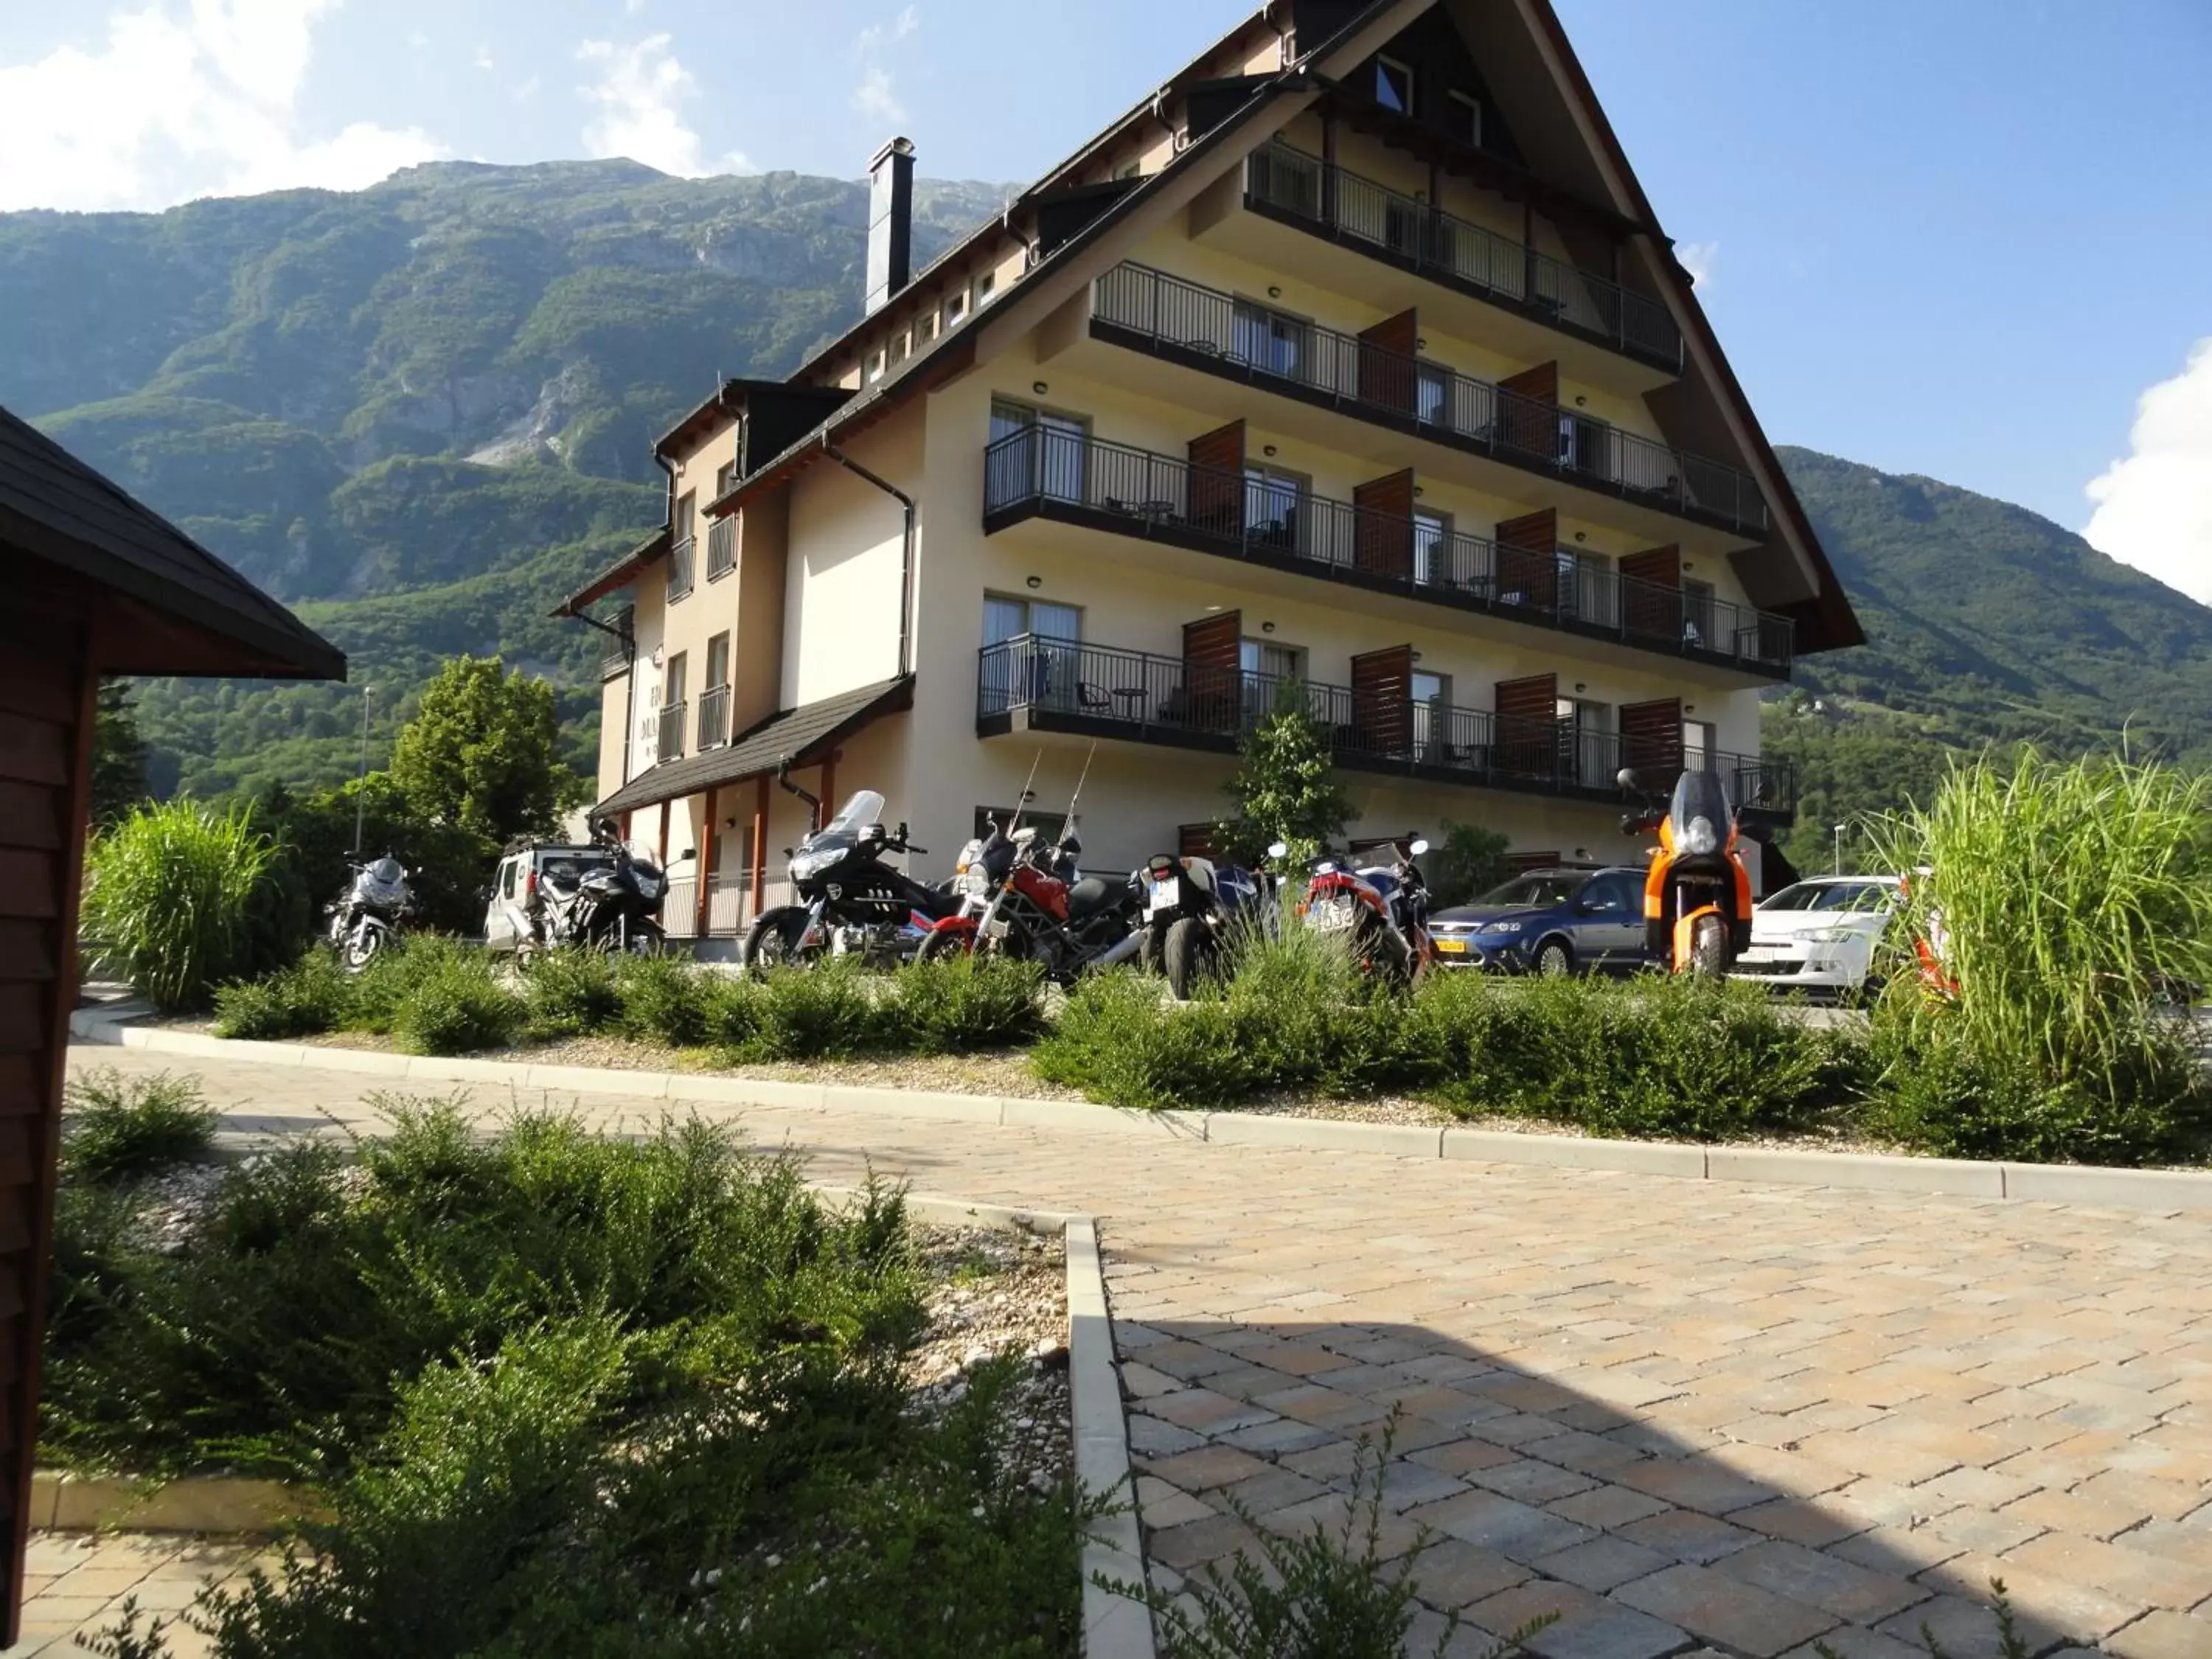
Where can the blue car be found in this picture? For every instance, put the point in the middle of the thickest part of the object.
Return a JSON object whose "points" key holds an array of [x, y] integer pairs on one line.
{"points": [[1548, 921]]}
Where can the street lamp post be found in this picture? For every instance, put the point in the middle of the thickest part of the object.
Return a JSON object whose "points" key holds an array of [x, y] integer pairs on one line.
{"points": [[1839, 847], [361, 778]]}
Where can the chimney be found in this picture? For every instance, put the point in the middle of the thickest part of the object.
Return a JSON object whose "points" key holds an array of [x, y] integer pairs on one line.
{"points": [[890, 221]]}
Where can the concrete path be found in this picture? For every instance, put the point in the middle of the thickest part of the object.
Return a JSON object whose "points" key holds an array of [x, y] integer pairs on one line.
{"points": [[1681, 1414]]}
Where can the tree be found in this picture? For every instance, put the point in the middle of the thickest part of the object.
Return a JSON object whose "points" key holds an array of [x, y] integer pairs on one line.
{"points": [[119, 755], [1287, 787], [480, 753], [1470, 862]]}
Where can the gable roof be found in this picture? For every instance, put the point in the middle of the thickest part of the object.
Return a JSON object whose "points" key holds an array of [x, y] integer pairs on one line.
{"points": [[55, 508]]}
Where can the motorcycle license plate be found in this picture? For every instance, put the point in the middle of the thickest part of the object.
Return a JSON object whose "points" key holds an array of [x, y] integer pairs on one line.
{"points": [[1164, 895], [1331, 913], [997, 928], [1452, 947]]}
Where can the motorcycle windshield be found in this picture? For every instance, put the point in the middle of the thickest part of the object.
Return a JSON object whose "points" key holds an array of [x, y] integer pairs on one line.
{"points": [[641, 862], [1700, 815], [386, 872], [864, 808]]}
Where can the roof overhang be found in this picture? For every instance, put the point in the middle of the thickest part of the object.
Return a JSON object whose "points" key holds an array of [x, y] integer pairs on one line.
{"points": [[622, 573], [804, 736]]}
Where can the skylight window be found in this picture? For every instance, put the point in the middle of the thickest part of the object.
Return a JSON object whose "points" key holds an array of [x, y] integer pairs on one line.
{"points": [[1394, 86]]}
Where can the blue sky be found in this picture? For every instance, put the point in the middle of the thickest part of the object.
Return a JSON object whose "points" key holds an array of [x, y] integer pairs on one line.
{"points": [[1965, 239]]}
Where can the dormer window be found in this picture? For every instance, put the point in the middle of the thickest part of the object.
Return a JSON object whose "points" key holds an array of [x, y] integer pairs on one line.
{"points": [[1394, 86], [985, 285], [1463, 117], [871, 368], [956, 307], [925, 329], [898, 350]]}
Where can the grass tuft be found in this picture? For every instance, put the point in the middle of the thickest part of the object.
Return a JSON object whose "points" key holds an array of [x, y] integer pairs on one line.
{"points": [[118, 1129]]}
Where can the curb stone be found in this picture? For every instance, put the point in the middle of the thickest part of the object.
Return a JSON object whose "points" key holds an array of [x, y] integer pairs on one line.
{"points": [[1114, 1626], [2167, 1191]]}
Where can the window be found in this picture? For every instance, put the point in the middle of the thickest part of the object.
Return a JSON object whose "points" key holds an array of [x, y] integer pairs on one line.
{"points": [[1587, 588], [1270, 661], [718, 661], [872, 369], [726, 479], [898, 350], [925, 329], [1031, 657], [1431, 695], [506, 879], [1698, 746], [985, 285], [1432, 550], [1698, 616], [1273, 499], [956, 307], [1052, 462], [1463, 118], [1394, 86], [1586, 745], [1132, 168], [687, 515], [1006, 619], [673, 682], [1432, 394], [1271, 341], [1610, 896]]}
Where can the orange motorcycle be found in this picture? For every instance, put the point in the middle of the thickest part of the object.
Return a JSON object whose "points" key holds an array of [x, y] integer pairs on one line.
{"points": [[1696, 893]]}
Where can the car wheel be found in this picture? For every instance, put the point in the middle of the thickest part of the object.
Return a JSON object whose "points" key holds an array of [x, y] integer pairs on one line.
{"points": [[1553, 959]]}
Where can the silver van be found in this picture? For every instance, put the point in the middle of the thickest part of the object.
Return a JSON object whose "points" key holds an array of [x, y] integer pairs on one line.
{"points": [[513, 914]]}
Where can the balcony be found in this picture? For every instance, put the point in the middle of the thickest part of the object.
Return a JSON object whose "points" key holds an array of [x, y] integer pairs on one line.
{"points": [[679, 569], [621, 644], [1289, 185], [721, 547], [1053, 473], [714, 717], [1032, 683], [1219, 334], [671, 745]]}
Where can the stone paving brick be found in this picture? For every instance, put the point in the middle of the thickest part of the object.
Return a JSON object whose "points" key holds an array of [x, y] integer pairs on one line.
{"points": [[1964, 1628], [2068, 1512], [1853, 1593], [1451, 1573], [1849, 1641], [1276, 1437], [1515, 1530], [1696, 1483], [1687, 1535], [1462, 1458], [1738, 1616], [1196, 1543], [1207, 1466], [1408, 1485], [1608, 1631], [1602, 1563], [1530, 1480], [2158, 1580], [2160, 1634], [1150, 1437], [2079, 1608], [1797, 1521], [1608, 1507]]}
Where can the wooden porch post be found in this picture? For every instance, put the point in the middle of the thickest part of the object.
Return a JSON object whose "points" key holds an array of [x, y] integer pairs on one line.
{"points": [[829, 785], [760, 845], [663, 854], [709, 845]]}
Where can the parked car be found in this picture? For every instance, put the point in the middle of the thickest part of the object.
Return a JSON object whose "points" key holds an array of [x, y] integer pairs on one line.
{"points": [[1819, 935], [514, 908], [1548, 921]]}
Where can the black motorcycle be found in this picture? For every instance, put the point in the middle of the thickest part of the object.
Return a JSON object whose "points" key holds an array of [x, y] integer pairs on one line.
{"points": [[1192, 905], [852, 904], [613, 907], [369, 915]]}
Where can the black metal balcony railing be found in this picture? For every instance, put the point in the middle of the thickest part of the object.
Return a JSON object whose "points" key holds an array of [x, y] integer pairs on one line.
{"points": [[679, 569], [721, 547], [1156, 699], [621, 644], [1252, 342], [714, 717], [672, 732], [1269, 518], [1467, 255]]}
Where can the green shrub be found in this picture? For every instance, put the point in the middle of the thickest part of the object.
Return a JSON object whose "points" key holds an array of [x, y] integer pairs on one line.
{"points": [[826, 1012], [663, 1000], [1120, 1041], [170, 901], [313, 995], [968, 1003], [573, 993], [456, 1007], [394, 972], [117, 1129], [1662, 1055], [2071, 898]]}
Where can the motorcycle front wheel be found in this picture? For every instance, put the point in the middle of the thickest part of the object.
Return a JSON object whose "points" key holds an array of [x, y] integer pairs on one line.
{"points": [[362, 945], [944, 946], [1708, 943], [773, 941], [1189, 956]]}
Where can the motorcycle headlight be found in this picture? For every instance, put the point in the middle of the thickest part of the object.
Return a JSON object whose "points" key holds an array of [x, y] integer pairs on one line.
{"points": [[807, 865], [1700, 838], [648, 886]]}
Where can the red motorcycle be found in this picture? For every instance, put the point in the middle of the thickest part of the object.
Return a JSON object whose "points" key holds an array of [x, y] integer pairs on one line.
{"points": [[1038, 906], [1381, 911]]}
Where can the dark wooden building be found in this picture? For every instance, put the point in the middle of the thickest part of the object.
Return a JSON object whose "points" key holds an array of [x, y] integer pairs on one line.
{"points": [[94, 584]]}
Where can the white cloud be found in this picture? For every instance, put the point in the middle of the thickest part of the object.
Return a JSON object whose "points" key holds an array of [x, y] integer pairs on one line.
{"points": [[483, 58], [183, 98], [2154, 507], [1698, 258], [640, 93], [874, 97]]}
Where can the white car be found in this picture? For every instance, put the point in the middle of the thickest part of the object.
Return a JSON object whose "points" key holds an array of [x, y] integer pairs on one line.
{"points": [[1818, 935]]}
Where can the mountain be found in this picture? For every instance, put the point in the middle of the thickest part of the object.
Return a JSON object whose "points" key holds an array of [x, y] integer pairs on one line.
{"points": [[416, 410], [419, 411]]}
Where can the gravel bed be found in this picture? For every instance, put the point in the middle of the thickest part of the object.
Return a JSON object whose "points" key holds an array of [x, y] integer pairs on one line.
{"points": [[993, 1292]]}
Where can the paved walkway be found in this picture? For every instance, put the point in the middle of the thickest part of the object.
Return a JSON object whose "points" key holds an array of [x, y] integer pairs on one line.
{"points": [[77, 1585], [1678, 1414]]}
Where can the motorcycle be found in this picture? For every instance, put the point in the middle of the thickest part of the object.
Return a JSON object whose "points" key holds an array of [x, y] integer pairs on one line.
{"points": [[1191, 906], [1039, 906], [614, 907], [1381, 911], [851, 902], [1696, 893], [367, 916]]}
